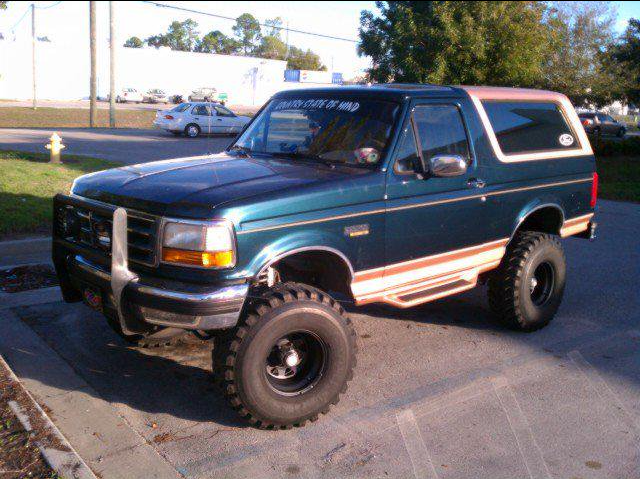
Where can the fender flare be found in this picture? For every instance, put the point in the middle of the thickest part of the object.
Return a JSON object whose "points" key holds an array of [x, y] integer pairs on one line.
{"points": [[532, 209]]}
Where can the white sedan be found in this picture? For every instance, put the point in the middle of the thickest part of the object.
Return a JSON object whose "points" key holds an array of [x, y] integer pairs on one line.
{"points": [[197, 118], [129, 95]]}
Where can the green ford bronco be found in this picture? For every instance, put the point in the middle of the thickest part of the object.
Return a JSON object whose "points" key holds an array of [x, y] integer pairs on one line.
{"points": [[397, 194]]}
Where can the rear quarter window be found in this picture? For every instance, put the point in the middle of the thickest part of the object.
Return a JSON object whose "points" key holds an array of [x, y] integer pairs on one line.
{"points": [[529, 127]]}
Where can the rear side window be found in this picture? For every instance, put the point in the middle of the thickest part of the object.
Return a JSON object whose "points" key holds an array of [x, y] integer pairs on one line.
{"points": [[441, 131], [180, 108], [527, 127]]}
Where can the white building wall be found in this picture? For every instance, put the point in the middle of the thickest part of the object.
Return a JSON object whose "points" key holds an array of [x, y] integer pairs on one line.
{"points": [[63, 72]]}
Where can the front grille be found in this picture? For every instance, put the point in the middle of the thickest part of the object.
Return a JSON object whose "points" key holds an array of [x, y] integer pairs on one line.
{"points": [[91, 227]]}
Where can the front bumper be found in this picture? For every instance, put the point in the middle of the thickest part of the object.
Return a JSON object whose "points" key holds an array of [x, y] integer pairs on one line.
{"points": [[139, 300], [179, 307]]}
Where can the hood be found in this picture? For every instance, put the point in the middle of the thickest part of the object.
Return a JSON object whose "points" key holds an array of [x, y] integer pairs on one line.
{"points": [[193, 187]]}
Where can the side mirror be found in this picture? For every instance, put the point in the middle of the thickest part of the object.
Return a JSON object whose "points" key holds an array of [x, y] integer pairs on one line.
{"points": [[447, 165]]}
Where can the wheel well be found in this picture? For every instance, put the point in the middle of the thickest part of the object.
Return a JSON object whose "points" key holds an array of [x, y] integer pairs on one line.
{"points": [[323, 269], [547, 219]]}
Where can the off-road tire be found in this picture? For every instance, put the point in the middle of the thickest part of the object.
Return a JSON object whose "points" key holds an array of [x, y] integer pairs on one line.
{"points": [[509, 287], [239, 356], [158, 338]]}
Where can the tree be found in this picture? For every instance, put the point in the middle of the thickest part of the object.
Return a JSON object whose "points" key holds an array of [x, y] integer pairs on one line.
{"points": [[134, 42], [499, 42], [247, 30], [272, 47], [3, 5], [626, 56], [181, 36], [274, 27], [578, 63], [217, 42], [304, 60]]}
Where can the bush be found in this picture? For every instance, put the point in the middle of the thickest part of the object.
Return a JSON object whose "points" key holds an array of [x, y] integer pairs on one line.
{"points": [[630, 146]]}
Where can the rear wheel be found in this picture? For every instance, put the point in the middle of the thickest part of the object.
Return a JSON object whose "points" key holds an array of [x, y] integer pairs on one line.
{"points": [[192, 130], [289, 359], [525, 292]]}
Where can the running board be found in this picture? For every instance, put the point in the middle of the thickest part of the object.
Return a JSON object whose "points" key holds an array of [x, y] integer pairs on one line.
{"points": [[415, 297]]}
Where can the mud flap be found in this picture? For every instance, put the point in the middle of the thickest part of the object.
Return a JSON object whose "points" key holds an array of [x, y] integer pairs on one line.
{"points": [[120, 273]]}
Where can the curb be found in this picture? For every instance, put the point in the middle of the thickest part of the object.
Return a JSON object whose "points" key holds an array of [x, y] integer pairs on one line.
{"points": [[67, 464]]}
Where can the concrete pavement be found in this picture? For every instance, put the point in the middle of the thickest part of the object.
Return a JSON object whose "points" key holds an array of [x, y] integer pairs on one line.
{"points": [[128, 146], [439, 391]]}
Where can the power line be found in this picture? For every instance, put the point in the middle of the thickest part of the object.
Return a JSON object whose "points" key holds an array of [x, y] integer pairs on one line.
{"points": [[55, 4], [182, 9], [21, 18]]}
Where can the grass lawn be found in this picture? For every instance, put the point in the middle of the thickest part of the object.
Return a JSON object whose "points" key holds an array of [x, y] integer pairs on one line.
{"points": [[21, 117], [27, 185], [619, 178]]}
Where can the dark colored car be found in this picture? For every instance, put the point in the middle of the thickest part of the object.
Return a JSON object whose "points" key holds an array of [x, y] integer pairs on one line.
{"points": [[602, 124], [397, 194]]}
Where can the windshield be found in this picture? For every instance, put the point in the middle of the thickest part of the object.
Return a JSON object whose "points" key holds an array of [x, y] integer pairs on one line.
{"points": [[337, 130]]}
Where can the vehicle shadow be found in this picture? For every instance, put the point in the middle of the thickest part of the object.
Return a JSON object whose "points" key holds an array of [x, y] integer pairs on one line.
{"points": [[174, 380]]}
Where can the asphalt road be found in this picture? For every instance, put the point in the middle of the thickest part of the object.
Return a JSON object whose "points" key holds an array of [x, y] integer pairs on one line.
{"points": [[128, 146], [439, 391]]}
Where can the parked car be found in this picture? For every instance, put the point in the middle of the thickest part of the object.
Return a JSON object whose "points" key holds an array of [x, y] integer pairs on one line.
{"points": [[155, 96], [208, 94], [129, 95], [386, 194], [193, 119], [602, 124]]}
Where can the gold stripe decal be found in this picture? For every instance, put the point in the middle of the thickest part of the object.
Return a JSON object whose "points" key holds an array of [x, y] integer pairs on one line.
{"points": [[418, 205], [424, 279], [575, 225]]}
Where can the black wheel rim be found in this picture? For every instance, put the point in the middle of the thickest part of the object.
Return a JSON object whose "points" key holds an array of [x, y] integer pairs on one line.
{"points": [[541, 284], [296, 363]]}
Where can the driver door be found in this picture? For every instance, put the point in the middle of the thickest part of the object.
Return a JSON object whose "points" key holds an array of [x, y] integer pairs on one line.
{"points": [[436, 226]]}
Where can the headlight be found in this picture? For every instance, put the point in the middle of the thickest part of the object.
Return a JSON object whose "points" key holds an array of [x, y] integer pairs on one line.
{"points": [[207, 245]]}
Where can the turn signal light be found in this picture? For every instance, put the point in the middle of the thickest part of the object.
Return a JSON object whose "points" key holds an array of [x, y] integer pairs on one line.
{"points": [[204, 259], [594, 190]]}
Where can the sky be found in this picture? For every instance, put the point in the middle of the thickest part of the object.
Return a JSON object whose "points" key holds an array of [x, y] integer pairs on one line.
{"points": [[68, 22]]}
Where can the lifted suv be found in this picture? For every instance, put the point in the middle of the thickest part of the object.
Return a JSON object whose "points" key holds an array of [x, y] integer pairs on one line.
{"points": [[397, 194]]}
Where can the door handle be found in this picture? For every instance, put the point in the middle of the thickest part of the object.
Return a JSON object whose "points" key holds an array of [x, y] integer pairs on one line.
{"points": [[476, 183]]}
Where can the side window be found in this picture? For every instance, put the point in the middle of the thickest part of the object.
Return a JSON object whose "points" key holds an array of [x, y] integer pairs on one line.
{"points": [[441, 131], [221, 111], [528, 127], [407, 154], [200, 110]]}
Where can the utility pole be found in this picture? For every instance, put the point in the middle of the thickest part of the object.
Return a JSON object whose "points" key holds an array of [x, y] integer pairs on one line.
{"points": [[286, 55], [112, 67], [92, 83], [33, 53]]}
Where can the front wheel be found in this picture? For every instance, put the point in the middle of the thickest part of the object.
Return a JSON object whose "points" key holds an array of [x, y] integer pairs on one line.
{"points": [[526, 290], [289, 359]]}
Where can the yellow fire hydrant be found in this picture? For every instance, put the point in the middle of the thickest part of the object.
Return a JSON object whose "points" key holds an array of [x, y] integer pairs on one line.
{"points": [[55, 146]]}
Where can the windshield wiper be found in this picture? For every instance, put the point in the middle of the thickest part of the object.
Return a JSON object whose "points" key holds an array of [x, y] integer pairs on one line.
{"points": [[303, 156]]}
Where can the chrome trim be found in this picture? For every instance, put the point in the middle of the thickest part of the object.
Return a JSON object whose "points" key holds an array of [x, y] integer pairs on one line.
{"points": [[213, 222], [277, 258], [224, 294]]}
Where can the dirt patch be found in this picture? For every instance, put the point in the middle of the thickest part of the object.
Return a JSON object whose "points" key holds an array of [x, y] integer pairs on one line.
{"points": [[19, 453], [26, 278]]}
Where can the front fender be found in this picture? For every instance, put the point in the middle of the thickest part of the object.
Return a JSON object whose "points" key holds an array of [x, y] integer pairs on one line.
{"points": [[296, 242]]}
